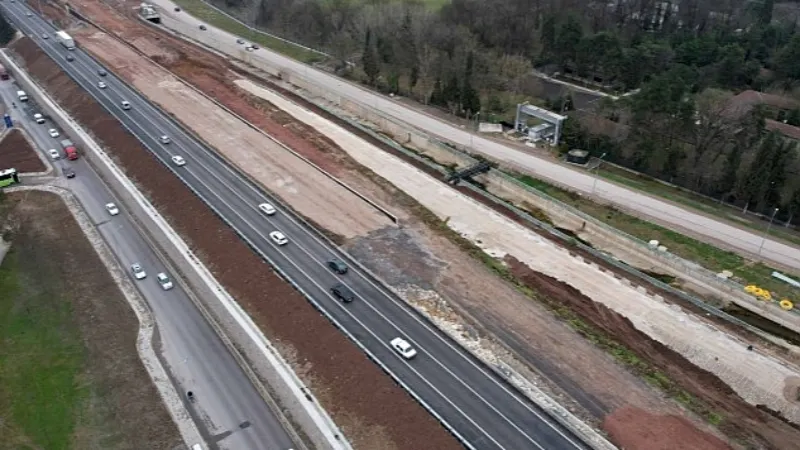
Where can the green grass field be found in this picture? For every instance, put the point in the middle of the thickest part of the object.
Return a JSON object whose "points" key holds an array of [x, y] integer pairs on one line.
{"points": [[202, 11], [41, 357]]}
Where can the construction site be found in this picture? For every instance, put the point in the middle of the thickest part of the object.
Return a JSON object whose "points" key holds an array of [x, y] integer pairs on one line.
{"points": [[634, 361]]}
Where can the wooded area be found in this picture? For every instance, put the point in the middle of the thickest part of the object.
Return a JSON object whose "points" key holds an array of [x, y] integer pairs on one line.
{"points": [[689, 58]]}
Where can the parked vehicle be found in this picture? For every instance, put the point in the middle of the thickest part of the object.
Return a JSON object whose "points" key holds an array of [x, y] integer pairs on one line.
{"points": [[3, 73]]}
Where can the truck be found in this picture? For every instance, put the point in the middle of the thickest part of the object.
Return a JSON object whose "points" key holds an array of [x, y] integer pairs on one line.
{"points": [[69, 149], [3, 73], [65, 40]]}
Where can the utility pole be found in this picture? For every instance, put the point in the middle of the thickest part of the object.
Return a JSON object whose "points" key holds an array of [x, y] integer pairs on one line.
{"points": [[766, 232], [596, 172]]}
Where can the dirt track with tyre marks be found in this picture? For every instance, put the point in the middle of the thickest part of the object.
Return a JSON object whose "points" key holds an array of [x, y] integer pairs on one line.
{"points": [[374, 412]]}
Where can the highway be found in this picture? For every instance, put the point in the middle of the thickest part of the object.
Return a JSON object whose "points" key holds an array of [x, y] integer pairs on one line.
{"points": [[740, 239], [476, 404], [192, 353]]}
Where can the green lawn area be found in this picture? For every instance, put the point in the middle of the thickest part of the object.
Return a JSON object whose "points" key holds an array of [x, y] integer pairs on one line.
{"points": [[691, 249], [202, 11], [694, 201], [41, 357]]}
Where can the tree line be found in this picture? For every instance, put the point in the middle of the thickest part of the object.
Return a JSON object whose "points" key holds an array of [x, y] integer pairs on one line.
{"points": [[686, 57]]}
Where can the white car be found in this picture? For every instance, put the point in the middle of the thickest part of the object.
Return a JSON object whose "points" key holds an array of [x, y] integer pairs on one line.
{"points": [[278, 238], [38, 118], [165, 139], [28, 14], [267, 209], [126, 105], [403, 347], [112, 209], [138, 271], [249, 48], [164, 281], [53, 133], [178, 160], [54, 153], [45, 36], [102, 84]]}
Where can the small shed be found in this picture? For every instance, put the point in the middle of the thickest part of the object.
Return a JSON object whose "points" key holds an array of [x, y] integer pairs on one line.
{"points": [[576, 156]]}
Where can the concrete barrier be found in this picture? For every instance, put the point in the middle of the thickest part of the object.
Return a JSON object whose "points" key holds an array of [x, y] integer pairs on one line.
{"points": [[268, 371]]}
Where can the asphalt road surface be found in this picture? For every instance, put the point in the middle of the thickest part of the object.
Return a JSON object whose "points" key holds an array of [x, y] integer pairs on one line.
{"points": [[741, 239], [194, 356], [481, 408]]}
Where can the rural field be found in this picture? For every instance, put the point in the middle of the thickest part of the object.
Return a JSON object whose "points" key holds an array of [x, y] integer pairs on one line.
{"points": [[70, 376]]}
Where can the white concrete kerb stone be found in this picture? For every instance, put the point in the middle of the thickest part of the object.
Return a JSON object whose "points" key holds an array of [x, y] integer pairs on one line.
{"points": [[282, 368]]}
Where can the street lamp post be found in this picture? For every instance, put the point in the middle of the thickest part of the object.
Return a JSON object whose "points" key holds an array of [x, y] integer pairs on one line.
{"points": [[766, 232], [471, 144], [596, 174]]}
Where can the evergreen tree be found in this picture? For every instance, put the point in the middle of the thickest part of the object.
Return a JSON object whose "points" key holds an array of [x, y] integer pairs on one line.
{"points": [[7, 32], [470, 100], [370, 59]]}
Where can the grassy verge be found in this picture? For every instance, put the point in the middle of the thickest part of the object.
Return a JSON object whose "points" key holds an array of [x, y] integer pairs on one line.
{"points": [[41, 357], [202, 11], [694, 201], [707, 255]]}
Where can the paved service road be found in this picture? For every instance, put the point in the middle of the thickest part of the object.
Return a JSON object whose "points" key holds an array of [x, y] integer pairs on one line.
{"points": [[195, 357], [481, 408], [668, 213]]}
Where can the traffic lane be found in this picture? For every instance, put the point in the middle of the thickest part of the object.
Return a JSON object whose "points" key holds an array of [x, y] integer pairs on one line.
{"points": [[246, 206], [253, 443], [190, 344], [517, 411], [306, 273]]}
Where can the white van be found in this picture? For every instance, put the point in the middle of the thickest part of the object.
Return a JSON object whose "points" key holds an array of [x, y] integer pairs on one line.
{"points": [[22, 96]]}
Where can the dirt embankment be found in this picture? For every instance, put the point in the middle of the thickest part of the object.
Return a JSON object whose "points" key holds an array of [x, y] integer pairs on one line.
{"points": [[16, 152], [737, 419], [115, 405], [373, 412]]}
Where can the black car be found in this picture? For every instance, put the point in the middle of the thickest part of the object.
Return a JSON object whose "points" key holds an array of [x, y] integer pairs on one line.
{"points": [[70, 58], [68, 172], [102, 72], [343, 293], [337, 266], [202, 27]]}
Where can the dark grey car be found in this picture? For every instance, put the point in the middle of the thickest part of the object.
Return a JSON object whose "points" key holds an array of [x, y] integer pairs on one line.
{"points": [[343, 293], [68, 172], [337, 266]]}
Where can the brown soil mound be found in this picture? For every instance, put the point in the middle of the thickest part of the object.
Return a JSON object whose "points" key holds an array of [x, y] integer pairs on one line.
{"points": [[16, 152], [634, 429], [739, 420], [373, 412]]}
